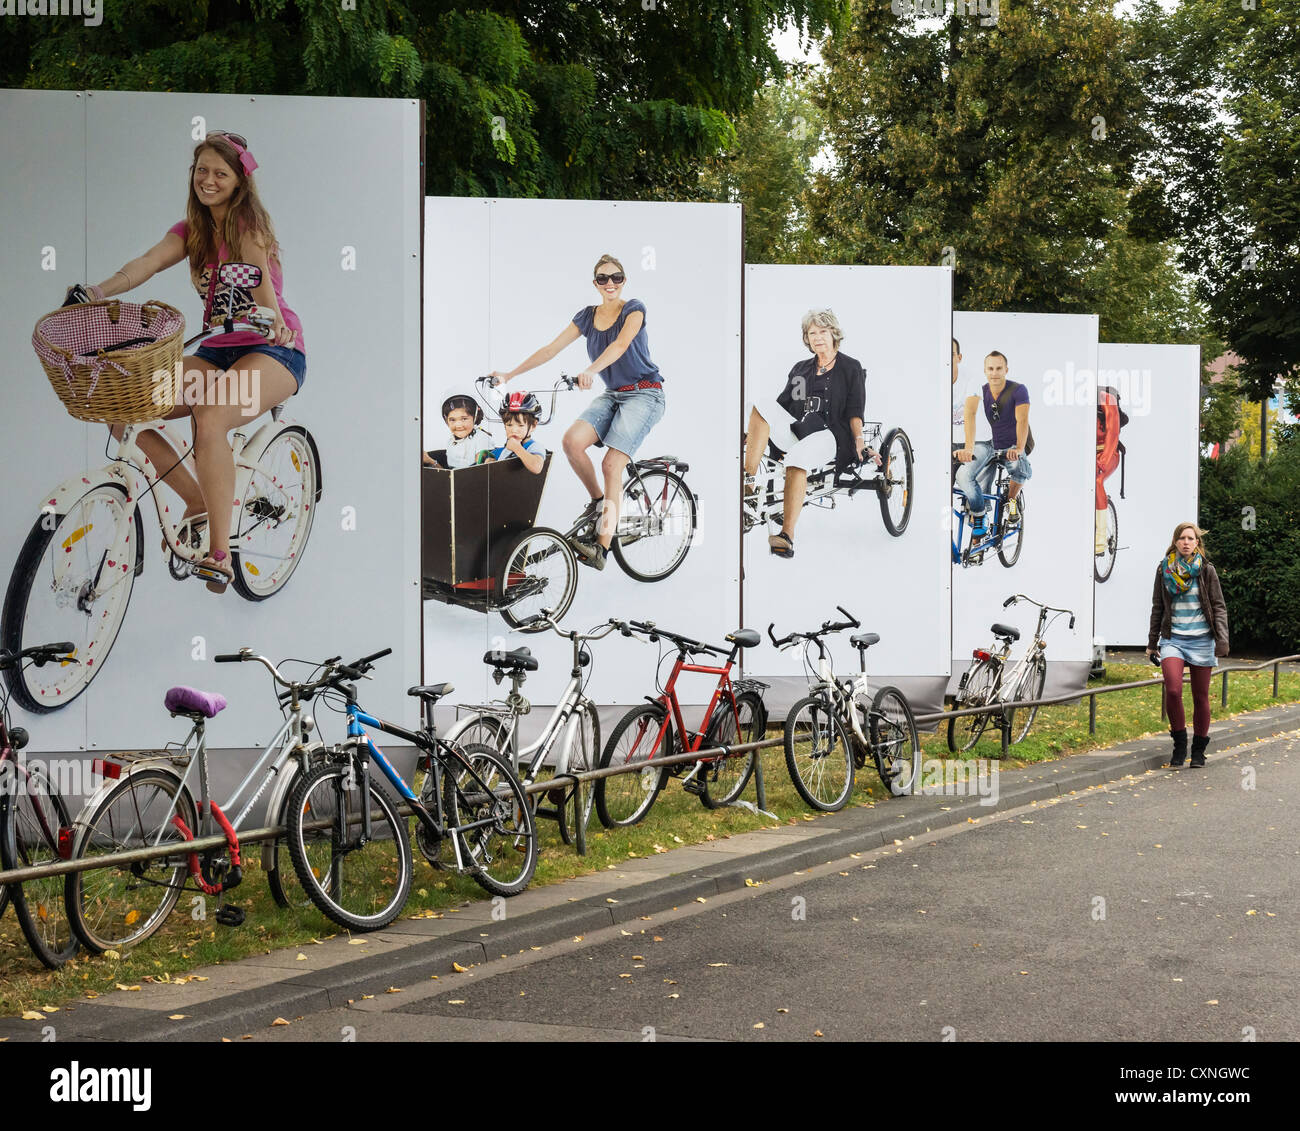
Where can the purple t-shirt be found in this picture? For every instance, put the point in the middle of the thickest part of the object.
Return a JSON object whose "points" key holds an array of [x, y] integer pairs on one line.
{"points": [[635, 364], [1004, 428], [243, 301]]}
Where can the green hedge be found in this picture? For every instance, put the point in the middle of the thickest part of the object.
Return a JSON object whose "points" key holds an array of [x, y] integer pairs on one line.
{"points": [[1252, 518]]}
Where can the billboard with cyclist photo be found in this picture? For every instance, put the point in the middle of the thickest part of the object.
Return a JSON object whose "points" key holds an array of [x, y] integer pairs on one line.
{"points": [[843, 496], [582, 360], [1148, 424], [1023, 469], [186, 475]]}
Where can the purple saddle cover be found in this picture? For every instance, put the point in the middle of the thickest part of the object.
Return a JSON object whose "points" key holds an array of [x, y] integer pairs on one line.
{"points": [[184, 699]]}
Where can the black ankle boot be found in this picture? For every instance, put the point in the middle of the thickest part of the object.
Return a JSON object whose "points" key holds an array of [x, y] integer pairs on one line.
{"points": [[1179, 755], [1199, 743]]}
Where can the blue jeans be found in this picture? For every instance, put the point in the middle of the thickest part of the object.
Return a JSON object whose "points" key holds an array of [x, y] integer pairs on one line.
{"points": [[976, 477]]}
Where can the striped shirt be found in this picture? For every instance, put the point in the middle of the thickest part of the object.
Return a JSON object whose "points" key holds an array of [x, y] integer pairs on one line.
{"points": [[1188, 616]]}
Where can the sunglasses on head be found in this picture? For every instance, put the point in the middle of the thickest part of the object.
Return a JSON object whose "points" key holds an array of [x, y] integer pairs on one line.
{"points": [[238, 139], [617, 277]]}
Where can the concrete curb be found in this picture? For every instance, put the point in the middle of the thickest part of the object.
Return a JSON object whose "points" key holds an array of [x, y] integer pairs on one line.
{"points": [[406, 958]]}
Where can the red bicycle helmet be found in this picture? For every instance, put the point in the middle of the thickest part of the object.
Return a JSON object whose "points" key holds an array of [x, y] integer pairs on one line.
{"points": [[524, 403]]}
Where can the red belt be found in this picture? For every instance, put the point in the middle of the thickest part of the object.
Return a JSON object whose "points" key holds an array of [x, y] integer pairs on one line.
{"points": [[638, 385]]}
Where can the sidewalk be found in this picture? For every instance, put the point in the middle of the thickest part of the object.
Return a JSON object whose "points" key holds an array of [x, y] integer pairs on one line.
{"points": [[244, 996]]}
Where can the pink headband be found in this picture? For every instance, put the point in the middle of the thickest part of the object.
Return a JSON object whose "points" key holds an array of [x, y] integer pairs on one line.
{"points": [[246, 159]]}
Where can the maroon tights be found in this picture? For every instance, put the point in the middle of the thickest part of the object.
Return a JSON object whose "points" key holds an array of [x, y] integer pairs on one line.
{"points": [[1173, 673]]}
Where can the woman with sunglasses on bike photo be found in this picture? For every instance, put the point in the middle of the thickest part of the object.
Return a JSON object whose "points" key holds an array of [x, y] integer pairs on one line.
{"points": [[630, 405], [1189, 628], [225, 221]]}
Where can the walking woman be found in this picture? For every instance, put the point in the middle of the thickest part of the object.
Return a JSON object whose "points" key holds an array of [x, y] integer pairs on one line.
{"points": [[225, 221], [622, 416], [1189, 628]]}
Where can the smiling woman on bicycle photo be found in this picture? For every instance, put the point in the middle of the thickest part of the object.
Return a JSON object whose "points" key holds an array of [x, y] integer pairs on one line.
{"points": [[631, 404], [225, 221], [816, 418]]}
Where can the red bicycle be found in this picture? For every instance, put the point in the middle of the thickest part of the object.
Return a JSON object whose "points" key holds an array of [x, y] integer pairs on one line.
{"points": [[656, 729]]}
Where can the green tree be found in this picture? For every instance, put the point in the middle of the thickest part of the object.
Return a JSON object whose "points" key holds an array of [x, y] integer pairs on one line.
{"points": [[768, 168], [618, 99]]}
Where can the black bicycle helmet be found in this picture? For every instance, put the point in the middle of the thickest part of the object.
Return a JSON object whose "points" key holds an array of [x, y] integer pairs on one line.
{"points": [[465, 401], [524, 403]]}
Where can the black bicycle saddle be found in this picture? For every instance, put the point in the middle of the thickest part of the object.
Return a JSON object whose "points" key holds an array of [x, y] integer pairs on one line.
{"points": [[865, 639], [431, 691], [1007, 631], [521, 659]]}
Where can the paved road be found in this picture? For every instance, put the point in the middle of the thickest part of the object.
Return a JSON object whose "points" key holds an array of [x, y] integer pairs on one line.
{"points": [[1157, 910]]}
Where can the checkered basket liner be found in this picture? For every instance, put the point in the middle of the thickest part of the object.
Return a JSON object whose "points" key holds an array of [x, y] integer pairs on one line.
{"points": [[102, 359]]}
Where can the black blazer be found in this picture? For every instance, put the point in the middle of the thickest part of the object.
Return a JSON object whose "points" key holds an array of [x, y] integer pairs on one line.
{"points": [[848, 399]]}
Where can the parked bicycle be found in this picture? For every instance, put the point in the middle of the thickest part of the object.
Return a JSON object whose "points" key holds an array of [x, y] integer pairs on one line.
{"points": [[656, 729], [887, 473], [657, 513], [570, 739], [348, 840], [33, 815], [991, 679], [1005, 534], [76, 570], [831, 731], [147, 800]]}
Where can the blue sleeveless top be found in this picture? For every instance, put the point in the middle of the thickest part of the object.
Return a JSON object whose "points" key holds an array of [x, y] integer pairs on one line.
{"points": [[635, 364]]}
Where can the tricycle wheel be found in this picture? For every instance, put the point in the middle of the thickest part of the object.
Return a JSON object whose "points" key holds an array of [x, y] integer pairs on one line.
{"points": [[896, 481]]}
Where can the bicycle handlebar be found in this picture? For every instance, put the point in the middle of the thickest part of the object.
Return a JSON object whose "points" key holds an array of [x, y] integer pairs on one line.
{"points": [[684, 643], [1046, 608], [564, 381], [39, 654], [332, 669], [827, 628]]}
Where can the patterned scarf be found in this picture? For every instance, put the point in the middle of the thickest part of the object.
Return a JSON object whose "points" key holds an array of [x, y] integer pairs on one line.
{"points": [[1178, 573]]}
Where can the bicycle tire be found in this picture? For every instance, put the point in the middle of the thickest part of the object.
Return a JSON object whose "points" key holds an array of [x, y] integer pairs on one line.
{"points": [[1009, 557], [366, 886], [47, 600], [725, 779], [32, 817], [112, 908], [491, 792], [584, 754], [981, 683], [1029, 687], [624, 799], [280, 875], [670, 532], [480, 729], [518, 599], [897, 481], [818, 754], [895, 747], [1104, 564], [283, 490]]}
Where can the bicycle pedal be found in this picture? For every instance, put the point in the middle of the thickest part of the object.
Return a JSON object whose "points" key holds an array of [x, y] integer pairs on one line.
{"points": [[694, 785], [230, 916]]}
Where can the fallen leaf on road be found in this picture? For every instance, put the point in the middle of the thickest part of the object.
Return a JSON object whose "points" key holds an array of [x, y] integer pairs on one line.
{"points": [[176, 1017], [1252, 912], [783, 1011], [625, 975], [577, 938], [1213, 1001], [674, 995], [717, 964], [700, 899], [50, 1008], [357, 942], [638, 958], [301, 957], [611, 900], [393, 990], [459, 968], [279, 1021], [32, 1015], [457, 1001], [111, 954], [129, 988], [760, 1025], [1024, 971], [818, 1033]]}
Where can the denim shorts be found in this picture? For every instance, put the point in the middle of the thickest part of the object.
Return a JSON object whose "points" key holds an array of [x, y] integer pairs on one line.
{"points": [[228, 357], [623, 420], [1195, 650]]}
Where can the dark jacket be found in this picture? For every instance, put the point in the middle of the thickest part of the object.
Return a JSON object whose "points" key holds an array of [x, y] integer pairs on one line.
{"points": [[1216, 612], [848, 399]]}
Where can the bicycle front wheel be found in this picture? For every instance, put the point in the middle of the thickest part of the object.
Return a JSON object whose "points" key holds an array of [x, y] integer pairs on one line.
{"points": [[656, 525], [964, 730], [623, 799], [895, 746], [274, 518], [359, 882], [540, 572], [1104, 563], [1030, 687], [1013, 536], [488, 813], [114, 907], [73, 581], [725, 779], [584, 754], [32, 818], [818, 754], [896, 481]]}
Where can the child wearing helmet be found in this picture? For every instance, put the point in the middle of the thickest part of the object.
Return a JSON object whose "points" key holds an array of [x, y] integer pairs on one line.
{"points": [[462, 414], [519, 414]]}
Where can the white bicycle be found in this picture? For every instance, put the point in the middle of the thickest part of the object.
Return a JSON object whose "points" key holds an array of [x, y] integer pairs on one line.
{"points": [[76, 570], [830, 731], [572, 733]]}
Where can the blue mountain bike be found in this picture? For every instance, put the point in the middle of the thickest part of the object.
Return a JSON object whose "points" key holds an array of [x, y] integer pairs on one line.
{"points": [[1004, 533]]}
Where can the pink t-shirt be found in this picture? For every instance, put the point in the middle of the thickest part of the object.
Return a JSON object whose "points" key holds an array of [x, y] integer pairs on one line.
{"points": [[243, 301]]}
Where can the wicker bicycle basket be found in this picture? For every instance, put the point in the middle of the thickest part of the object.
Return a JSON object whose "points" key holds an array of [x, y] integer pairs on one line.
{"points": [[112, 362]]}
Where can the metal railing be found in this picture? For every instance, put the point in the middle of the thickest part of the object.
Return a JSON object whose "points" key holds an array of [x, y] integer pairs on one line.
{"points": [[581, 779]]}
